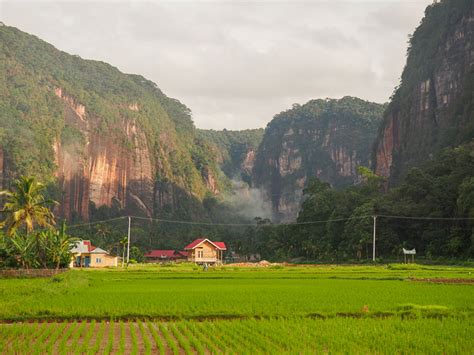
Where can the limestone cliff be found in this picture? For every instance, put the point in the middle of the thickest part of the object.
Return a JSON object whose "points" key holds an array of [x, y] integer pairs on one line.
{"points": [[99, 138], [326, 139], [100, 170], [433, 106]]}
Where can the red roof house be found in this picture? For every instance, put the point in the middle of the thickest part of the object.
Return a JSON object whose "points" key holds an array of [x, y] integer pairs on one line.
{"points": [[204, 251], [160, 255], [165, 255]]}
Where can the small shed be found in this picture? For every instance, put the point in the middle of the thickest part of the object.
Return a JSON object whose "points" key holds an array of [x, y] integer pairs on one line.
{"points": [[411, 252]]}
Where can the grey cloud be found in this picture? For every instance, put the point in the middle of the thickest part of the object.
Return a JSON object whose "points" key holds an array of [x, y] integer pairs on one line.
{"points": [[236, 63]]}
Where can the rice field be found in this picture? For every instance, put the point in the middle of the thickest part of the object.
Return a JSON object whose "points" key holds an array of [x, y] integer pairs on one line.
{"points": [[184, 310], [293, 335]]}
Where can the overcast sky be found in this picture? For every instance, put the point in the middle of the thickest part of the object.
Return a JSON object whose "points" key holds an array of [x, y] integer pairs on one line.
{"points": [[236, 64]]}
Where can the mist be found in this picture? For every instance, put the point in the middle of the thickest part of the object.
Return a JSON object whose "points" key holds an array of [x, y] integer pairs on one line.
{"points": [[249, 202]]}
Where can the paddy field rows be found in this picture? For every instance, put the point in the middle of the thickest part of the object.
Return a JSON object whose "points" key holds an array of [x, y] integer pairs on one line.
{"points": [[292, 335], [228, 310]]}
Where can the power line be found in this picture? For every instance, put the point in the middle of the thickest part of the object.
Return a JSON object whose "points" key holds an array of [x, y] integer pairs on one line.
{"points": [[428, 218], [249, 224], [96, 222], [275, 225]]}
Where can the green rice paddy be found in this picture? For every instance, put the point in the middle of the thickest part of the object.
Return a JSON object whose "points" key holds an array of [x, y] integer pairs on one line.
{"points": [[292, 309]]}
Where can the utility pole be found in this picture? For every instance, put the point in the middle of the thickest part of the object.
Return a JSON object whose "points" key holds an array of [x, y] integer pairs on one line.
{"points": [[373, 244], [128, 239]]}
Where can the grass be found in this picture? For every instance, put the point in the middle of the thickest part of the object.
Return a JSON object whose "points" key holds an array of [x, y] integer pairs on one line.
{"points": [[183, 294], [181, 309]]}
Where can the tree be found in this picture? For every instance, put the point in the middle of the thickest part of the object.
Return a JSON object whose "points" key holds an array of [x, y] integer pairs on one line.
{"points": [[136, 254], [26, 206], [58, 246], [22, 249], [123, 242]]}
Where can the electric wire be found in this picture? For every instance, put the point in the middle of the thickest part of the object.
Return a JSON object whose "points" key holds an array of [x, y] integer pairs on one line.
{"points": [[274, 225]]}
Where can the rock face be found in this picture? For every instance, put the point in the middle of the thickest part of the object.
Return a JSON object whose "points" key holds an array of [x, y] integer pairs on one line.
{"points": [[100, 171], [326, 139], [432, 108]]}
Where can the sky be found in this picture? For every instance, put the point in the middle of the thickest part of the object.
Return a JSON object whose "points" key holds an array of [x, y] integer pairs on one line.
{"points": [[236, 64]]}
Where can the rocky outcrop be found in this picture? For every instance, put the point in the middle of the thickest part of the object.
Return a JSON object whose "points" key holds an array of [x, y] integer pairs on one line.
{"points": [[432, 108], [102, 171], [248, 162], [211, 181], [325, 139]]}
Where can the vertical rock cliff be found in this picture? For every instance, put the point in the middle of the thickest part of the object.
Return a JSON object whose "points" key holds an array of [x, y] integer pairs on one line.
{"points": [[96, 136], [327, 139], [97, 169], [433, 106]]}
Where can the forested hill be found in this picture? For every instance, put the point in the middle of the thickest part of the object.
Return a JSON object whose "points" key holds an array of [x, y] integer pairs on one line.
{"points": [[326, 139], [97, 136], [433, 107], [235, 150]]}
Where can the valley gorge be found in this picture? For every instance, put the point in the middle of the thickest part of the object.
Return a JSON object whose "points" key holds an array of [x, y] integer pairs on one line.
{"points": [[102, 139]]}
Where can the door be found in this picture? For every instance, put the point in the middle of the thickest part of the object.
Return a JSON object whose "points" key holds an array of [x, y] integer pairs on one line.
{"points": [[87, 261]]}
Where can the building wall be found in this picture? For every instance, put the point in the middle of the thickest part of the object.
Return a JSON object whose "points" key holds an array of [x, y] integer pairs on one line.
{"points": [[103, 260]]}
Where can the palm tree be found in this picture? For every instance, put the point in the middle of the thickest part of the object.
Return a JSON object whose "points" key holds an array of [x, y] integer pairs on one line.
{"points": [[26, 205]]}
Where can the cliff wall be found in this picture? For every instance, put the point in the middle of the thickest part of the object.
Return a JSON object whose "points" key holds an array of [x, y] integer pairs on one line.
{"points": [[433, 107], [325, 139]]}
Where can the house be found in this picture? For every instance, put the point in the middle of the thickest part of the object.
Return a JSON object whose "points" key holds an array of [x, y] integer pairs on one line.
{"points": [[204, 251], [84, 254], [165, 255], [159, 256]]}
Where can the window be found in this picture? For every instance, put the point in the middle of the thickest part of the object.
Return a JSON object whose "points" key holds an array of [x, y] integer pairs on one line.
{"points": [[98, 260], [200, 254]]}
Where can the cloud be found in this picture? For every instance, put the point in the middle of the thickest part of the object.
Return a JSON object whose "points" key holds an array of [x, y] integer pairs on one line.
{"points": [[236, 63]]}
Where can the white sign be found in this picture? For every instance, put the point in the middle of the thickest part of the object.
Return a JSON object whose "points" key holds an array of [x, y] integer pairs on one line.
{"points": [[409, 252]]}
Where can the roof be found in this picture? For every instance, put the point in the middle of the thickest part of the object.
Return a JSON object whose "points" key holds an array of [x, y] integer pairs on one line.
{"points": [[82, 246], [182, 253], [98, 251], [85, 247], [221, 245], [194, 244], [218, 245], [165, 253]]}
